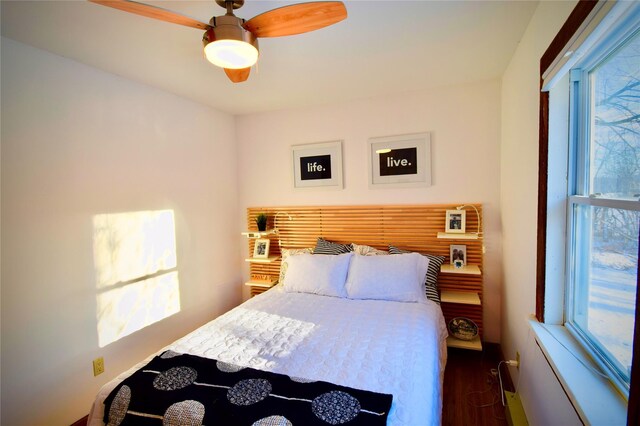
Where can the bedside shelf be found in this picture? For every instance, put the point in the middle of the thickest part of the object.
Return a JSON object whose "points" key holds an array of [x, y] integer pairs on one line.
{"points": [[454, 236], [262, 284], [465, 270], [475, 344], [462, 297], [262, 259], [260, 234]]}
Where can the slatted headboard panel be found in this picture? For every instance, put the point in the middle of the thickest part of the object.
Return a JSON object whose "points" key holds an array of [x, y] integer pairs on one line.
{"points": [[410, 227]]}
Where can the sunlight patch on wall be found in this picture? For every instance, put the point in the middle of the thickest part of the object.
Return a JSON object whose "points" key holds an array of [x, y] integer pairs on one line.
{"points": [[136, 271]]}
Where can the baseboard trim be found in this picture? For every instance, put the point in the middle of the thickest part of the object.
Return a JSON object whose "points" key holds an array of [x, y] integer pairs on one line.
{"points": [[514, 411]]}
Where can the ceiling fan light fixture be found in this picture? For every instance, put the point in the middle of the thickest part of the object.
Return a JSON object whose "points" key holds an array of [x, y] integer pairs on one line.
{"points": [[232, 54], [228, 45], [231, 42]]}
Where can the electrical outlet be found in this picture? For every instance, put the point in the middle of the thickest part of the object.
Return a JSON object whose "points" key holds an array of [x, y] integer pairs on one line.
{"points": [[518, 360], [98, 366]]}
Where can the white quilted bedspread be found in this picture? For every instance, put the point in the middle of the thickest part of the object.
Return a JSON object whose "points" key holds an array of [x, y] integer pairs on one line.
{"points": [[387, 347]]}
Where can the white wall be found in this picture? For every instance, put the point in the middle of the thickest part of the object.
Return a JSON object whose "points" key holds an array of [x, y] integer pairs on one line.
{"points": [[519, 187], [464, 122], [77, 142]]}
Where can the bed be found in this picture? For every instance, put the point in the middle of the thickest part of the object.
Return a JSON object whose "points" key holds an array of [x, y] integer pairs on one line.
{"points": [[383, 346]]}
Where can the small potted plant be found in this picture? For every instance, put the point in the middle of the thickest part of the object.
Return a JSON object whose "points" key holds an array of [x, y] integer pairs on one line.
{"points": [[261, 221]]}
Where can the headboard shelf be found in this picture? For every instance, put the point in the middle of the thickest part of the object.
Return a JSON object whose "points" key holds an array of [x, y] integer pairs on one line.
{"points": [[409, 227], [449, 236], [447, 268]]}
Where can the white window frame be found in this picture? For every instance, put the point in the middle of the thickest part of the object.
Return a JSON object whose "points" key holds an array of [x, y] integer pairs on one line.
{"points": [[578, 167]]}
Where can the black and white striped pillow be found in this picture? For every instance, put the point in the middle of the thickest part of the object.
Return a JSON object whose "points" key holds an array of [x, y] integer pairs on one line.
{"points": [[431, 280], [327, 247]]}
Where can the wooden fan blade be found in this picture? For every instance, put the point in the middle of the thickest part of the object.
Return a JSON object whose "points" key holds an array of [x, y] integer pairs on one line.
{"points": [[296, 19], [239, 75], [152, 12]]}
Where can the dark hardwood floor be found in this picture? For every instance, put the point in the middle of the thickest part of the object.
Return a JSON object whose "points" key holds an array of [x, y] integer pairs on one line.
{"points": [[471, 393], [82, 422]]}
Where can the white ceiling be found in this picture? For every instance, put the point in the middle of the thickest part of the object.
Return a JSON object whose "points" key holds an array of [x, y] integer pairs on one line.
{"points": [[383, 47]]}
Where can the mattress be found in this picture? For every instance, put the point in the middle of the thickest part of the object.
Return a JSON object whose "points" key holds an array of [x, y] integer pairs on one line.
{"points": [[380, 346]]}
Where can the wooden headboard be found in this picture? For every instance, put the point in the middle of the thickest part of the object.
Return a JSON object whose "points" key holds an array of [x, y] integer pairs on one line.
{"points": [[410, 227]]}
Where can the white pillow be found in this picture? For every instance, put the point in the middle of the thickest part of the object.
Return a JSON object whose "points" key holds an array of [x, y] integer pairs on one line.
{"points": [[317, 274], [397, 277], [284, 259]]}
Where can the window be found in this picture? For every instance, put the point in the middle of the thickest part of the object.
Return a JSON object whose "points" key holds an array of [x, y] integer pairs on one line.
{"points": [[604, 200]]}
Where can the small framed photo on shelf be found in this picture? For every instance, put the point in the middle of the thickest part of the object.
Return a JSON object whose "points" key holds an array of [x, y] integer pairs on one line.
{"points": [[261, 248], [455, 221], [458, 255]]}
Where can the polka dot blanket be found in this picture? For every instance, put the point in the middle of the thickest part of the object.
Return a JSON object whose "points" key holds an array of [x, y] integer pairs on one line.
{"points": [[184, 389]]}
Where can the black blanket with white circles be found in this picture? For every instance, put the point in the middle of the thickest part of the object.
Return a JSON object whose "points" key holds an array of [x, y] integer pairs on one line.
{"points": [[183, 389]]}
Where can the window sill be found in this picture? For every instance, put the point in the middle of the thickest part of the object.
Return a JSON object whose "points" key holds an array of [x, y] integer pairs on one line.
{"points": [[595, 399]]}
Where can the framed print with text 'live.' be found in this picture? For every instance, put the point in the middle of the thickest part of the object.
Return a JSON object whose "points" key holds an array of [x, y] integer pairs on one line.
{"points": [[317, 165], [400, 161]]}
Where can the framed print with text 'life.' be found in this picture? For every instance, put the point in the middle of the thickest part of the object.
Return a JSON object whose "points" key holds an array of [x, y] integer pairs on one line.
{"points": [[317, 165]]}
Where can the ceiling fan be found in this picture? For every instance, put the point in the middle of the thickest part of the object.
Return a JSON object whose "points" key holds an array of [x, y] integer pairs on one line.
{"points": [[231, 42]]}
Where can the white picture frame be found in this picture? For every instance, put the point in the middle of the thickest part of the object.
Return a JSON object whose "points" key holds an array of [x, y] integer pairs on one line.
{"points": [[402, 161], [261, 248], [454, 222], [458, 252], [317, 165]]}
